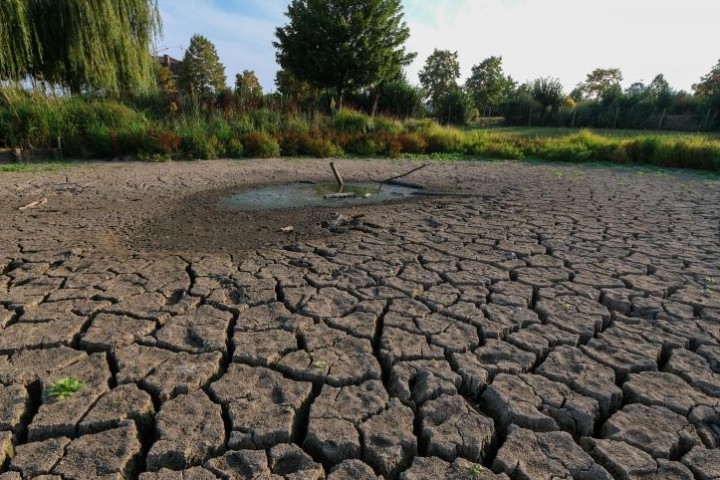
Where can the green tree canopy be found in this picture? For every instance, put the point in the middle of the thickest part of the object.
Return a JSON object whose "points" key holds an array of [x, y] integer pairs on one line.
{"points": [[343, 44], [548, 92], [16, 37], [248, 89], [488, 84], [709, 85], [440, 74], [201, 71], [100, 45], [600, 80]]}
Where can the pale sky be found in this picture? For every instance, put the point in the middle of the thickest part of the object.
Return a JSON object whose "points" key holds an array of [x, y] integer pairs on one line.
{"points": [[536, 38]]}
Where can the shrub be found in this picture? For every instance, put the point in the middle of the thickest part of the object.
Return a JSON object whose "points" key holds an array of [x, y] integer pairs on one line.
{"points": [[445, 140], [413, 143], [350, 121], [261, 145], [365, 145], [234, 148]]}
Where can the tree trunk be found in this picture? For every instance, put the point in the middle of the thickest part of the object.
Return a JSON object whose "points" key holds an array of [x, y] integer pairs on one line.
{"points": [[341, 99], [376, 102]]}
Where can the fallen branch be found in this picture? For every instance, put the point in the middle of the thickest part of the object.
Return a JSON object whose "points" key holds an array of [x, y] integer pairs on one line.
{"points": [[339, 179], [340, 195], [388, 180]]}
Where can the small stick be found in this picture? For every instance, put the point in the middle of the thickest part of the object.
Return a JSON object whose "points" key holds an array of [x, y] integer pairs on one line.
{"points": [[339, 179], [340, 195], [387, 180]]}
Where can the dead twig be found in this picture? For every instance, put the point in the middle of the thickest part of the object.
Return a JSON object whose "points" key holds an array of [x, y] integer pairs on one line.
{"points": [[34, 204], [397, 177]]}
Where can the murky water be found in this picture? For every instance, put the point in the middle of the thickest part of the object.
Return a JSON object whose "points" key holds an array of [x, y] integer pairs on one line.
{"points": [[296, 195]]}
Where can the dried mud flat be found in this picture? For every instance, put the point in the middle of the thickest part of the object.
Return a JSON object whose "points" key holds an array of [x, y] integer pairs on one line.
{"points": [[563, 322]]}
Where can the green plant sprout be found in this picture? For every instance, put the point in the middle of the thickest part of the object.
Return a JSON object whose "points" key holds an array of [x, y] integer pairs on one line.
{"points": [[65, 388], [475, 470]]}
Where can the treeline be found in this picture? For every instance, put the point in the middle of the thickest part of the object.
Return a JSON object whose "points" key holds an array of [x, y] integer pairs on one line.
{"points": [[332, 54]]}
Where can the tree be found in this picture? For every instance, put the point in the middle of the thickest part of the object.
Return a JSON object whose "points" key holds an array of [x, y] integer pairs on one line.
{"points": [[247, 88], [660, 92], [548, 92], [16, 36], [600, 80], [343, 44], [201, 71], [400, 99], [709, 85], [456, 107], [439, 75], [101, 45], [294, 91], [488, 84]]}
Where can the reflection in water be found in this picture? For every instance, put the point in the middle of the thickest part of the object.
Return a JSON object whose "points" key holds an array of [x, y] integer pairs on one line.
{"points": [[312, 195]]}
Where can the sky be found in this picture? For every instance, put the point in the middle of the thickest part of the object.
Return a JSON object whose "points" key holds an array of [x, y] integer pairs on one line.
{"points": [[565, 39]]}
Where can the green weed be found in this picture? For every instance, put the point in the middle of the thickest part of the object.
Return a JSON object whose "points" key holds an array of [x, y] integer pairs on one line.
{"points": [[65, 388]]}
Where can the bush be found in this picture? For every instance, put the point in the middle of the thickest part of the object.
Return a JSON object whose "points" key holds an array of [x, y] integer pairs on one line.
{"points": [[445, 140], [350, 121], [413, 143], [261, 145]]}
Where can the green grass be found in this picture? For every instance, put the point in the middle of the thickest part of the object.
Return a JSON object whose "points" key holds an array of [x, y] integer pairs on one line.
{"points": [[556, 132], [65, 388], [35, 167]]}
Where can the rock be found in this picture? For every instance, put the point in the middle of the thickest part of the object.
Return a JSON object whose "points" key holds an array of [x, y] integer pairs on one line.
{"points": [[163, 373], [263, 406], [199, 331], [331, 356], [190, 430], [570, 366], [39, 458], [353, 469], [539, 404], [14, 402], [110, 453], [195, 473], [290, 462], [335, 416], [32, 335], [28, 366], [704, 463], [114, 407], [242, 464], [110, 331], [666, 390], [389, 444], [655, 430], [418, 381], [450, 428], [6, 447], [626, 462], [545, 456], [434, 468], [694, 369]]}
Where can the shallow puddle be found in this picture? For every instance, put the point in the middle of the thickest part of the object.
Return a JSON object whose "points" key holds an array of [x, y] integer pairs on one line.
{"points": [[296, 195]]}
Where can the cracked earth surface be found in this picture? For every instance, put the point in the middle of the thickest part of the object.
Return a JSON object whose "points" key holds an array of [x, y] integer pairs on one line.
{"points": [[551, 322]]}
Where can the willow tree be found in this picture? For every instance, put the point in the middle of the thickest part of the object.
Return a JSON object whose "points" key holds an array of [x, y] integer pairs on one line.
{"points": [[16, 40], [101, 45], [343, 44]]}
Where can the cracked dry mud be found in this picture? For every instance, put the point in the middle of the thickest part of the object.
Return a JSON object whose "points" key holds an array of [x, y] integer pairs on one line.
{"points": [[551, 322]]}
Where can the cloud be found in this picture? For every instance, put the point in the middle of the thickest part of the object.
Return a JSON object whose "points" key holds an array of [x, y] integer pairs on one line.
{"points": [[559, 38], [569, 38]]}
